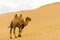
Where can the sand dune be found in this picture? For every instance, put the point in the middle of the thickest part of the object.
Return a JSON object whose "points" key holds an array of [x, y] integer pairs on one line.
{"points": [[45, 24]]}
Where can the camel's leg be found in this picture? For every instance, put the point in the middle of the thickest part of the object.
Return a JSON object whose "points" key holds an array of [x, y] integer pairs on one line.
{"points": [[14, 32], [11, 33], [19, 35], [20, 30]]}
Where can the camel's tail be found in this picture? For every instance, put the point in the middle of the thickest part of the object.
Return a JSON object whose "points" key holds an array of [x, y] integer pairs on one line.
{"points": [[10, 25]]}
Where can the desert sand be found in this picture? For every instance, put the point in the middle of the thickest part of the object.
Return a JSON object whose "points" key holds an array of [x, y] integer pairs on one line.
{"points": [[45, 24]]}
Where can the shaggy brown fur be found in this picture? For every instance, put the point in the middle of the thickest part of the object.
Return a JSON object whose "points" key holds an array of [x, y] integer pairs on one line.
{"points": [[20, 23]]}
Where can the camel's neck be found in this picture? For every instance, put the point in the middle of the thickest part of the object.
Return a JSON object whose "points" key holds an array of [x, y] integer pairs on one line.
{"points": [[26, 23]]}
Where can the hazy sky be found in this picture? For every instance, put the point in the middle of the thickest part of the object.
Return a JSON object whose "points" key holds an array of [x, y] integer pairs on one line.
{"points": [[18, 5]]}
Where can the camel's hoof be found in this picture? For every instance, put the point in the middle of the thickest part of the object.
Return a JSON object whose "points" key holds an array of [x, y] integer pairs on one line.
{"points": [[10, 37], [19, 35], [15, 36]]}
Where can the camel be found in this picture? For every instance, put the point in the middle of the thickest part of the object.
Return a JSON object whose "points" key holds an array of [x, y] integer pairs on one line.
{"points": [[17, 22]]}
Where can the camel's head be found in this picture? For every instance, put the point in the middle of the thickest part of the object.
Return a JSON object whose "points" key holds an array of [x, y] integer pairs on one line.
{"points": [[28, 19]]}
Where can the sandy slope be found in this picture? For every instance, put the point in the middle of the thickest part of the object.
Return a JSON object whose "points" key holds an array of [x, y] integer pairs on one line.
{"points": [[45, 24]]}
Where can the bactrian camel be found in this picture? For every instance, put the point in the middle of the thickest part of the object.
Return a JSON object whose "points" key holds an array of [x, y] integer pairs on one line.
{"points": [[20, 23]]}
